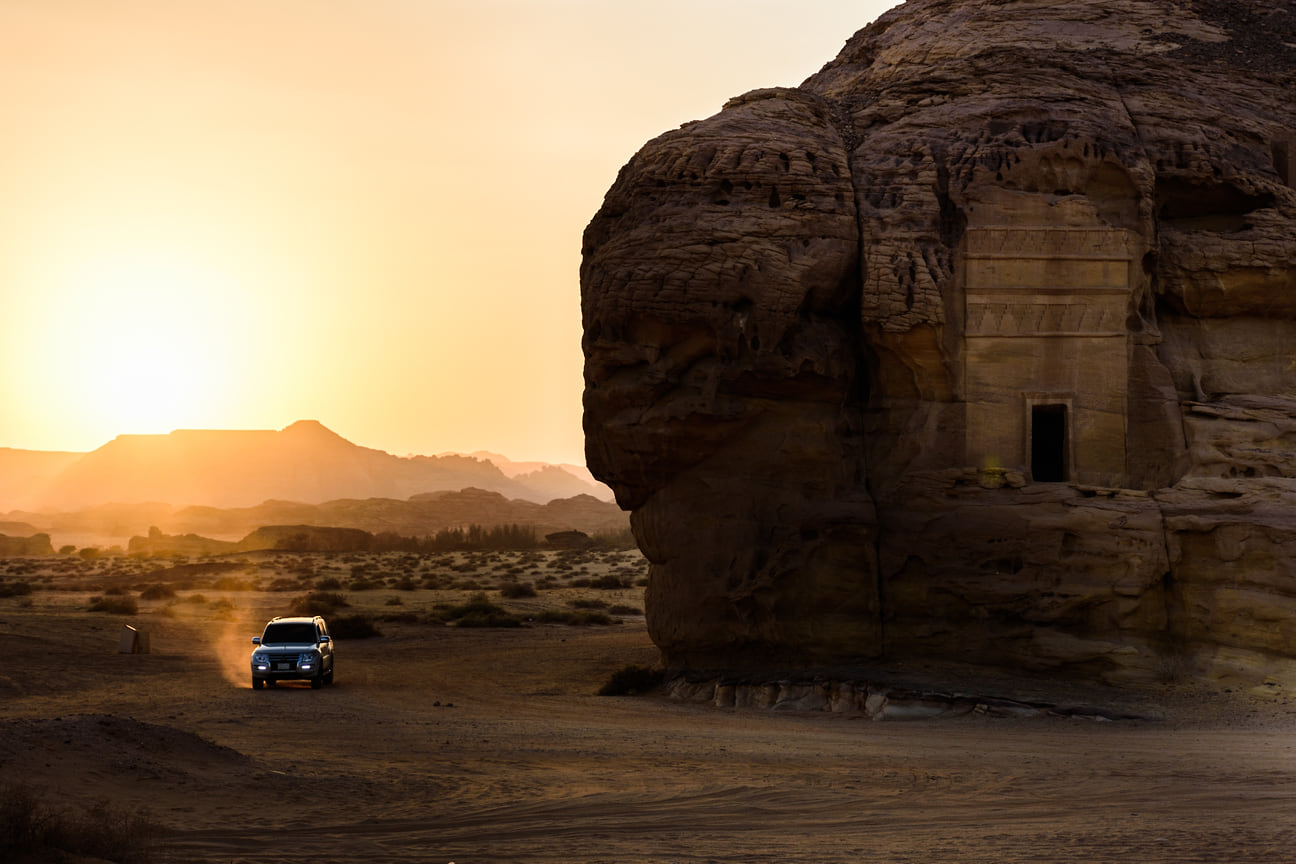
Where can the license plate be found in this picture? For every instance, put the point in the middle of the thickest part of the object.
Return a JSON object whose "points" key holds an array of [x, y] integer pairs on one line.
{"points": [[283, 667]]}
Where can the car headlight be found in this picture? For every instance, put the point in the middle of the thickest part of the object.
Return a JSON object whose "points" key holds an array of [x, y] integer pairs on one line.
{"points": [[306, 661], [261, 662]]}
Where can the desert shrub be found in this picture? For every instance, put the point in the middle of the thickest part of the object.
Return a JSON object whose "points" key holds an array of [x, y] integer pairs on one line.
{"points": [[353, 627], [479, 611], [363, 585], [329, 583], [579, 583], [582, 603], [395, 601], [318, 603], [232, 583], [607, 582], [576, 618], [194, 598], [157, 591], [631, 680], [17, 588], [114, 605], [622, 609], [468, 585], [31, 830], [115, 591], [284, 584], [513, 590]]}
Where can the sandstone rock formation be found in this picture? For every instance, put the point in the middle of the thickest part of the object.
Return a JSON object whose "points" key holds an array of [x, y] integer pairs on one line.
{"points": [[976, 345], [36, 544]]}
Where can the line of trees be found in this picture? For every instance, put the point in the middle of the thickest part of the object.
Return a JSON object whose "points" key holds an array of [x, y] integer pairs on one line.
{"points": [[497, 537]]}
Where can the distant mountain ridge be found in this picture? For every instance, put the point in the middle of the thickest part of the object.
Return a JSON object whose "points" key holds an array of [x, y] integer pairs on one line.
{"points": [[305, 463]]}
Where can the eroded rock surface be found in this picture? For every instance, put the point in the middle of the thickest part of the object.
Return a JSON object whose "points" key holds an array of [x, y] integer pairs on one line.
{"points": [[977, 345]]}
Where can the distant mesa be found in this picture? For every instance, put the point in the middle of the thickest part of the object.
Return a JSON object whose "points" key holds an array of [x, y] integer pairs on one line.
{"points": [[975, 346], [305, 462]]}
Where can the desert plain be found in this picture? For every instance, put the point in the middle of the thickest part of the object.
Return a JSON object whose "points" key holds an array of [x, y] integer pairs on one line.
{"points": [[444, 743]]}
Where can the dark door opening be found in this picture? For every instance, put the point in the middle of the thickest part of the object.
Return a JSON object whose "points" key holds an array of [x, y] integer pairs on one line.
{"points": [[1049, 444]]}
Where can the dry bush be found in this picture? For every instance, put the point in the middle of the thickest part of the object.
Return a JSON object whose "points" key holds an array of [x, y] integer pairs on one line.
{"points": [[318, 603], [157, 591], [622, 609], [353, 627], [114, 605], [514, 590], [478, 611], [17, 588], [30, 829], [577, 618]]}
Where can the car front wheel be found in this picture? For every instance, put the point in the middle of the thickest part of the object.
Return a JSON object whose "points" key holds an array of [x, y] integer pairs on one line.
{"points": [[258, 683]]}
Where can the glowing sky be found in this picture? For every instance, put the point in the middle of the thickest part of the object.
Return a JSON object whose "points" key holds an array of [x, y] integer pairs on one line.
{"points": [[242, 213]]}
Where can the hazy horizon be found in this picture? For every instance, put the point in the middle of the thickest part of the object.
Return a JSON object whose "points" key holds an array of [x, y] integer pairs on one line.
{"points": [[236, 215], [476, 452]]}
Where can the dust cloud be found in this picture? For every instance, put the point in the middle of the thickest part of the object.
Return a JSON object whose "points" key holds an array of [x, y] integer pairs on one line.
{"points": [[233, 648]]}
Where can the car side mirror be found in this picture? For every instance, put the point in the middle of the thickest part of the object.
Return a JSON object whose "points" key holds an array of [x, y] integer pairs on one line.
{"points": [[256, 640], [324, 638]]}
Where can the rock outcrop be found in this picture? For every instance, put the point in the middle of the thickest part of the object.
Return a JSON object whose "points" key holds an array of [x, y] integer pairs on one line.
{"points": [[20, 547], [978, 344]]}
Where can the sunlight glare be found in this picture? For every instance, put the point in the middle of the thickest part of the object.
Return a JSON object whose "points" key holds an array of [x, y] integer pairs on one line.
{"points": [[149, 342]]}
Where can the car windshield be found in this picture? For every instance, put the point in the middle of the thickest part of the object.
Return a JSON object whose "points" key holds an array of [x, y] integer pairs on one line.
{"points": [[289, 634]]}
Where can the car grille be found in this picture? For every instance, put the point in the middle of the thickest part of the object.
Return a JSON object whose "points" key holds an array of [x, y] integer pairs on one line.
{"points": [[283, 662]]}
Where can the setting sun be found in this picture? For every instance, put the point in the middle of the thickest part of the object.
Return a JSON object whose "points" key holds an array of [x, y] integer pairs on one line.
{"points": [[155, 340]]}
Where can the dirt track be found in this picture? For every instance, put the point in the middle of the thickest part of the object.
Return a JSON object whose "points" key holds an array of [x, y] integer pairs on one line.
{"points": [[447, 744]]}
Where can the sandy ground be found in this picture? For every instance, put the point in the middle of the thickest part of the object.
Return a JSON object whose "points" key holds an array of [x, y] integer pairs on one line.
{"points": [[441, 744]]}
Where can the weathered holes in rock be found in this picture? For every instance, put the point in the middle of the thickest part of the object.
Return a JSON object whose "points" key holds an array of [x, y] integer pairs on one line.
{"points": [[775, 201], [1043, 133], [1181, 199], [721, 195], [1012, 566], [787, 162]]}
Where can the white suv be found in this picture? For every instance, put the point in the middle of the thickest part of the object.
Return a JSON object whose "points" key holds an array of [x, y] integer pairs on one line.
{"points": [[293, 649]]}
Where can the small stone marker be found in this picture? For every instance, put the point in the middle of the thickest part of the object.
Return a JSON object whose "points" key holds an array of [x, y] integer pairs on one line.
{"points": [[132, 641]]}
